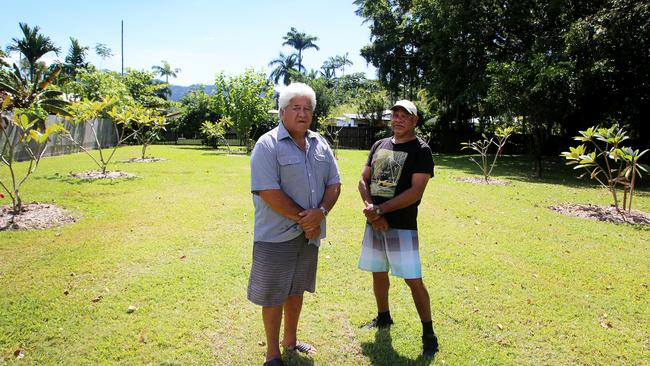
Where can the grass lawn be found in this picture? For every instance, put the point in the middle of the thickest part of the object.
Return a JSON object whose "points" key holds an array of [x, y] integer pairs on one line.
{"points": [[511, 282]]}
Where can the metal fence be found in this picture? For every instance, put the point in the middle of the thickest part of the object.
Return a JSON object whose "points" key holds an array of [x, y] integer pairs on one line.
{"points": [[59, 145], [353, 137]]}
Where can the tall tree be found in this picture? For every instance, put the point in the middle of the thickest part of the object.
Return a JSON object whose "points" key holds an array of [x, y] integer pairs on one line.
{"points": [[300, 41], [103, 51], [394, 48], [76, 58], [246, 100], [327, 71], [144, 88], [344, 61], [32, 46], [166, 70], [3, 62], [283, 66]]}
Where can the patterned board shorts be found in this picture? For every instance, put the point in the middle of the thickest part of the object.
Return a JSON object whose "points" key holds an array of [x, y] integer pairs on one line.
{"points": [[282, 269], [395, 250]]}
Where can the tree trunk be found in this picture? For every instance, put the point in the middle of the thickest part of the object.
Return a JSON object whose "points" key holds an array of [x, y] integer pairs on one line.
{"points": [[537, 135], [18, 202]]}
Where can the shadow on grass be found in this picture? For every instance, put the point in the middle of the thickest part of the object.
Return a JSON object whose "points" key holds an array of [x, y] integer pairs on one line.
{"points": [[381, 352], [191, 147], [77, 181], [225, 152], [520, 168], [293, 358], [235, 150]]}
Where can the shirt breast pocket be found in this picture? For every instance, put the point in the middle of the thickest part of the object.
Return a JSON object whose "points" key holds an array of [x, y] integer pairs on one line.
{"points": [[290, 167], [322, 167]]}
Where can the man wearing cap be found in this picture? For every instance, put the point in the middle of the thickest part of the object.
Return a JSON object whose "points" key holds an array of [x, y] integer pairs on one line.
{"points": [[391, 186]]}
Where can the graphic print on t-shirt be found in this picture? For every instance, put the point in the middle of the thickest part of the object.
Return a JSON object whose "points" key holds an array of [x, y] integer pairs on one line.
{"points": [[386, 169]]}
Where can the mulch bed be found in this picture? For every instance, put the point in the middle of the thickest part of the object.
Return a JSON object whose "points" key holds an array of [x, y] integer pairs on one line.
{"points": [[96, 174], [475, 180], [141, 160], [603, 213], [34, 216]]}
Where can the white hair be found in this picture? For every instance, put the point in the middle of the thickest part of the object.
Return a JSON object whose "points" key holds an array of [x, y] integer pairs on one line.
{"points": [[296, 90]]}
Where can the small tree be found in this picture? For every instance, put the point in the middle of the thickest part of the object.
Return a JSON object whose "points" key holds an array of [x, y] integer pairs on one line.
{"points": [[34, 140], [147, 127], [122, 118], [246, 99], [611, 164], [332, 134], [499, 140], [215, 132]]}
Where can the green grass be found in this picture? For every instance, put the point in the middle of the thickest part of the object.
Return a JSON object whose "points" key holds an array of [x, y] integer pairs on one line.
{"points": [[176, 243]]}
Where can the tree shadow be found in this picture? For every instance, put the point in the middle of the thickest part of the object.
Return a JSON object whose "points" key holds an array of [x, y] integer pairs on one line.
{"points": [[226, 153], [192, 147], [78, 181], [520, 168], [381, 352]]}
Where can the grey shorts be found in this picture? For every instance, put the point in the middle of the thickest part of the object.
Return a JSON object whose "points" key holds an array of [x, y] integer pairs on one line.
{"points": [[282, 269]]}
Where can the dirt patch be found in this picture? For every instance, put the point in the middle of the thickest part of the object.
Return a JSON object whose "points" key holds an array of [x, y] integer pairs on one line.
{"points": [[475, 180], [34, 216], [96, 174], [141, 160], [603, 213]]}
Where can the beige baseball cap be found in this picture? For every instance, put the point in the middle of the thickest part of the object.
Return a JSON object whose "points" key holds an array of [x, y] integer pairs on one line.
{"points": [[406, 104]]}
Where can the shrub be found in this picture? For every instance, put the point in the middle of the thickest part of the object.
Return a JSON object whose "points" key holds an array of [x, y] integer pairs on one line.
{"points": [[609, 163]]}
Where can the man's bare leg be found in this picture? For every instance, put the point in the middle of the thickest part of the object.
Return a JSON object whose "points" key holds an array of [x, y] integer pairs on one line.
{"points": [[272, 318]]}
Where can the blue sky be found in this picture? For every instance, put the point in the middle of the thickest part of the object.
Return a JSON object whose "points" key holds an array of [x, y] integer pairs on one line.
{"points": [[199, 37]]}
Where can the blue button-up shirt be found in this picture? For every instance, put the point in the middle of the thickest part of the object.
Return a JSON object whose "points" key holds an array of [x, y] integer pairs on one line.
{"points": [[278, 163]]}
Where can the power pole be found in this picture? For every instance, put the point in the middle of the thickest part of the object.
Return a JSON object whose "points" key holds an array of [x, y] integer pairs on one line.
{"points": [[122, 47]]}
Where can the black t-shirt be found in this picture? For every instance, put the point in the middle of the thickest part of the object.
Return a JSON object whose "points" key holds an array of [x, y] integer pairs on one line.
{"points": [[392, 166]]}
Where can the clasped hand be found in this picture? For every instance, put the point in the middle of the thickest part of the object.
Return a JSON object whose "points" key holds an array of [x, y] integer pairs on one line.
{"points": [[310, 220], [378, 223]]}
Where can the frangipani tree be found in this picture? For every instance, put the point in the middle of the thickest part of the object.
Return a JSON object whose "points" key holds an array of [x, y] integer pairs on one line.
{"points": [[499, 140], [215, 132], [147, 126], [122, 117], [609, 163], [25, 123]]}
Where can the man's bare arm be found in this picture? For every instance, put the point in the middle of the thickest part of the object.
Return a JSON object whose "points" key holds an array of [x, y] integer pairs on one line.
{"points": [[311, 218], [281, 203]]}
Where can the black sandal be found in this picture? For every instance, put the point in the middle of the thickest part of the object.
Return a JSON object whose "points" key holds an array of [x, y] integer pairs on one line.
{"points": [[274, 362]]}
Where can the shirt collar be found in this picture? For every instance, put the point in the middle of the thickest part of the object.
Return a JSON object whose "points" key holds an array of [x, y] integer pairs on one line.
{"points": [[283, 133]]}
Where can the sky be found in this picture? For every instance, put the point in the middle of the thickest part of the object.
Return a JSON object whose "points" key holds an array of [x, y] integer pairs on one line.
{"points": [[200, 37]]}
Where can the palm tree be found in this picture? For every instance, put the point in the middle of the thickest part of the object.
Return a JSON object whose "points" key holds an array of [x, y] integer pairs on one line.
{"points": [[25, 94], [166, 70], [343, 61], [76, 58], [3, 63], [32, 46], [300, 41], [284, 65], [329, 68], [313, 74]]}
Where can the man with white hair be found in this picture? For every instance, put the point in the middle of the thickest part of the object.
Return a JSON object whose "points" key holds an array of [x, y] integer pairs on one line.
{"points": [[391, 186], [295, 183]]}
